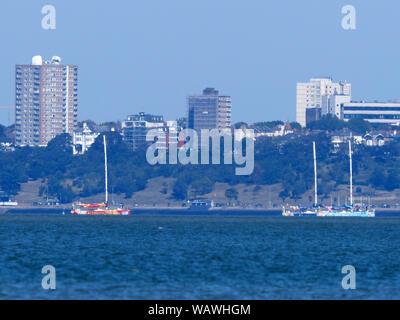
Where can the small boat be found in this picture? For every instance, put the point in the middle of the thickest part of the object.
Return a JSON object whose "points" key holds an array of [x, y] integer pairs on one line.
{"points": [[6, 201], [100, 208], [367, 213], [97, 209], [201, 205], [294, 211], [9, 203]]}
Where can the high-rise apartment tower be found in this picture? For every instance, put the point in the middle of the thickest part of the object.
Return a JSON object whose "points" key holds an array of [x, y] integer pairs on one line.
{"points": [[46, 101], [317, 94]]}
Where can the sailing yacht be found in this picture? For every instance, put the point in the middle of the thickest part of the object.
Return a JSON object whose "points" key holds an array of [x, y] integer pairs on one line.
{"points": [[348, 211], [321, 211], [100, 208], [295, 211]]}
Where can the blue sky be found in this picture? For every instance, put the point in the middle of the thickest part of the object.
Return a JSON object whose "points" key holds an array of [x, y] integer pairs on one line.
{"points": [[149, 55]]}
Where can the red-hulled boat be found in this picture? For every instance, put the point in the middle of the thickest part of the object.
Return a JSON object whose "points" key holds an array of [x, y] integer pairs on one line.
{"points": [[99, 208]]}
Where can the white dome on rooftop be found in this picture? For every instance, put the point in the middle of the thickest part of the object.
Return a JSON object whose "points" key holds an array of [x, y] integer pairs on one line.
{"points": [[55, 60], [37, 60]]}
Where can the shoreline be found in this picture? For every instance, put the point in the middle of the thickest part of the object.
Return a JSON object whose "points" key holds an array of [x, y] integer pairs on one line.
{"points": [[60, 209], [172, 210]]}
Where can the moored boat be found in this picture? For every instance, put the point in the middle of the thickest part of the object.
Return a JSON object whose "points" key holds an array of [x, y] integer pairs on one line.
{"points": [[100, 208], [322, 211], [349, 211], [105, 211], [294, 211]]}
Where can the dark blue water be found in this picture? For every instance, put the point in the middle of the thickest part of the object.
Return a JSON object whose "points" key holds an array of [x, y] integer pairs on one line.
{"points": [[198, 257]]}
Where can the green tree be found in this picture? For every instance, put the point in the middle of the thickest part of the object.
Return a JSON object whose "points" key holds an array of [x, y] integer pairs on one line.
{"points": [[284, 194], [202, 186], [359, 126], [327, 122], [266, 125], [179, 190], [239, 125], [392, 182], [231, 194], [295, 125], [378, 178]]}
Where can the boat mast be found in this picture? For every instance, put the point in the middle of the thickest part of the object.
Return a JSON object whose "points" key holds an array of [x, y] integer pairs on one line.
{"points": [[315, 176], [351, 175], [105, 166]]}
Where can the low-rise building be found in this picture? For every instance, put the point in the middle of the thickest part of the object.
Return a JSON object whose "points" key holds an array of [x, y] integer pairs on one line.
{"points": [[167, 135], [343, 137], [7, 146], [83, 139], [370, 139], [277, 131], [374, 140], [136, 127]]}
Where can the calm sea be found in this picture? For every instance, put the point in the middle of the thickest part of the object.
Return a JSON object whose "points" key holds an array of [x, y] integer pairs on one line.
{"points": [[198, 257]]}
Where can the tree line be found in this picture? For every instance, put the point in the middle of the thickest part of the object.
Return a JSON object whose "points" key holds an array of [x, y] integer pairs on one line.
{"points": [[285, 160]]}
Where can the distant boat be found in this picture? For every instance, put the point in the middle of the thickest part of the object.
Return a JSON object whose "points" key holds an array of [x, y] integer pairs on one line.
{"points": [[201, 205], [295, 211], [5, 200], [100, 208], [325, 211], [8, 203], [350, 211]]}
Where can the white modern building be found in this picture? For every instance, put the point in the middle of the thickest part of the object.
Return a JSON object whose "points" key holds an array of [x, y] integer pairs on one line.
{"points": [[136, 127], [317, 93], [82, 140], [374, 112], [167, 135], [335, 105]]}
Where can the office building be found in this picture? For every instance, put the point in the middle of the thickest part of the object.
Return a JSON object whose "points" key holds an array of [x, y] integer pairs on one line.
{"points": [[317, 93], [209, 111], [374, 112], [46, 101]]}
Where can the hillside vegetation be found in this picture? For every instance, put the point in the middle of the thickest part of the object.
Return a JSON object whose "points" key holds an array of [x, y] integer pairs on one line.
{"points": [[286, 161]]}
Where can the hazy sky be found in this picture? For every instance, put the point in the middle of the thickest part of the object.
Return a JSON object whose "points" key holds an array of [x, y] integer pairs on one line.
{"points": [[149, 55]]}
